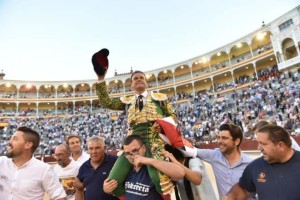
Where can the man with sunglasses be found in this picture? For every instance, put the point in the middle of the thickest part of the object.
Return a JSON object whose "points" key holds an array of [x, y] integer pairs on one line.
{"points": [[227, 161], [138, 183]]}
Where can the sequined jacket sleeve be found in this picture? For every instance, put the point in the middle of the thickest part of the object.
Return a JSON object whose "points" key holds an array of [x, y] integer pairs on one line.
{"points": [[105, 100], [168, 110]]}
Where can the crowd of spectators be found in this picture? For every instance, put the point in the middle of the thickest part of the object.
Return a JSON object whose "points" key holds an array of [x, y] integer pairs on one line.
{"points": [[275, 97]]}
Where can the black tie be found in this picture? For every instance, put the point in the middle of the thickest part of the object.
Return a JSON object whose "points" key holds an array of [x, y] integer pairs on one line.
{"points": [[140, 102]]}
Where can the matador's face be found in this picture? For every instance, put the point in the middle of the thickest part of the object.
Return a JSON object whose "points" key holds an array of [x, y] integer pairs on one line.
{"points": [[139, 83]]}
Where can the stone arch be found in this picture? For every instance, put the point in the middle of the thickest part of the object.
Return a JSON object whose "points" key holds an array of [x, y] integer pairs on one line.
{"points": [[289, 49]]}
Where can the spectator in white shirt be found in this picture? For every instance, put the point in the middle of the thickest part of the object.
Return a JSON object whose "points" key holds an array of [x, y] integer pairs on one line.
{"points": [[66, 169], [23, 177], [74, 142]]}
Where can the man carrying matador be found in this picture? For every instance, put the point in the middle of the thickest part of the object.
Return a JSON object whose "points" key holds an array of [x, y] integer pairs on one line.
{"points": [[143, 108]]}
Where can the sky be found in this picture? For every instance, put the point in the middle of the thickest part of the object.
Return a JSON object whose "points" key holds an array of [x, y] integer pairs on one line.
{"points": [[54, 40]]}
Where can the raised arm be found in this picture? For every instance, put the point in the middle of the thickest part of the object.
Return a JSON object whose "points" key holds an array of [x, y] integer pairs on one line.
{"points": [[173, 170], [105, 100], [193, 176], [101, 63]]}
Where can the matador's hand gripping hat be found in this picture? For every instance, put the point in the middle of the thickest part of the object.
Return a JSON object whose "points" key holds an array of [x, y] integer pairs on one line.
{"points": [[100, 62]]}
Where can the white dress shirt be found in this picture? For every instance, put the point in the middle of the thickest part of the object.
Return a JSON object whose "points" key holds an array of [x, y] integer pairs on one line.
{"points": [[28, 182], [83, 157]]}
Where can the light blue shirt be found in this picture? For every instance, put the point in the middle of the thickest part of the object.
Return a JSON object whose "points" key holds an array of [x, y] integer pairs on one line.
{"points": [[226, 175]]}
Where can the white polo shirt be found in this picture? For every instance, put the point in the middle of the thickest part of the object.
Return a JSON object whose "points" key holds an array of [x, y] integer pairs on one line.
{"points": [[83, 157], [28, 182]]}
